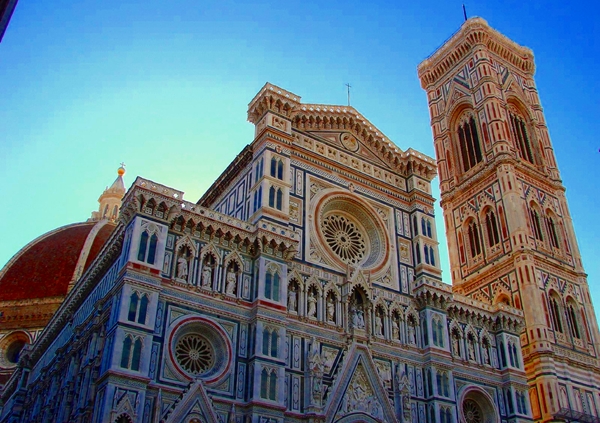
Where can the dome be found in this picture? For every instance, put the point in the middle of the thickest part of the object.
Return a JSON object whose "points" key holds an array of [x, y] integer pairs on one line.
{"points": [[46, 266]]}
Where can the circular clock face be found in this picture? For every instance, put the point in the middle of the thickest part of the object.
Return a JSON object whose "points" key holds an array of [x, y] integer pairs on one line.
{"points": [[349, 142]]}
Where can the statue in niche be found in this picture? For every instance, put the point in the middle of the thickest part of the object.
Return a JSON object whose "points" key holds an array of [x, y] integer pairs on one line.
{"points": [[330, 309], [292, 299], [358, 317], [230, 282], [471, 350], [486, 355], [455, 346], [206, 276], [182, 268], [378, 324], [411, 335], [404, 389], [312, 305], [395, 329]]}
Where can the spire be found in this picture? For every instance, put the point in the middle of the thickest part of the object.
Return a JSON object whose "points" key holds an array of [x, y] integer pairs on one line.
{"points": [[110, 200]]}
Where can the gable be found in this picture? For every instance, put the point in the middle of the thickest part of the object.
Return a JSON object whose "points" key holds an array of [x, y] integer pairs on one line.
{"points": [[358, 393]]}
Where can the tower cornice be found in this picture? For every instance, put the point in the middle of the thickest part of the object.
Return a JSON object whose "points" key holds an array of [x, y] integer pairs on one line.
{"points": [[472, 33]]}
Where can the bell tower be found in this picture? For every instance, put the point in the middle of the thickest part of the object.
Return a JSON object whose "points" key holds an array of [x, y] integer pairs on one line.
{"points": [[510, 235]]}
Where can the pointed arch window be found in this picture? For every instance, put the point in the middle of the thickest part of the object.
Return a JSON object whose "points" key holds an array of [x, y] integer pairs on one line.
{"points": [[491, 226], [272, 282], [572, 319], [270, 342], [551, 230], [474, 239], [470, 147], [276, 167], [138, 308], [519, 130], [268, 384], [555, 312], [147, 247], [131, 353], [536, 227]]}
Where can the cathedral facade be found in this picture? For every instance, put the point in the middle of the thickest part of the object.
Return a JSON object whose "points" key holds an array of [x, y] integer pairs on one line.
{"points": [[305, 286]]}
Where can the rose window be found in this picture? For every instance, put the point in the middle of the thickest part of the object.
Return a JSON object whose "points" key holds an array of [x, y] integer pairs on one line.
{"points": [[199, 348], [349, 231], [194, 354], [472, 412], [344, 238]]}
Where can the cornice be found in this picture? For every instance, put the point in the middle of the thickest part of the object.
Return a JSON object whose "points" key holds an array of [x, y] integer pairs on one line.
{"points": [[474, 32]]}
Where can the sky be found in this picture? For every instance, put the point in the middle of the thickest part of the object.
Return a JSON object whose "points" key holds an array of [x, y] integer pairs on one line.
{"points": [[164, 87]]}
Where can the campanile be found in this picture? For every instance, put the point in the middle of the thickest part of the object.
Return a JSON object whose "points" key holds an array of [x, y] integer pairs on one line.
{"points": [[509, 231]]}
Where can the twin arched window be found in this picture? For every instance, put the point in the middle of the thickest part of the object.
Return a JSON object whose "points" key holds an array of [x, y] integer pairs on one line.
{"points": [[147, 247], [138, 307], [474, 238], [491, 226], [276, 198], [468, 141], [270, 342], [268, 384], [131, 354], [519, 131], [272, 284], [277, 168]]}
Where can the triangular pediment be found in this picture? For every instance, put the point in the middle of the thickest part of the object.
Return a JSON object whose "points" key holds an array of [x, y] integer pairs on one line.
{"points": [[348, 143], [193, 403], [353, 136], [456, 92], [358, 394]]}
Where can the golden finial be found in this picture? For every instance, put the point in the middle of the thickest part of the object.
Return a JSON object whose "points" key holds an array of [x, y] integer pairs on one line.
{"points": [[121, 170]]}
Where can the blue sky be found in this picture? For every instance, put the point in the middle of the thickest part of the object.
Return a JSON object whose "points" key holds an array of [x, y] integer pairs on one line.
{"points": [[164, 86]]}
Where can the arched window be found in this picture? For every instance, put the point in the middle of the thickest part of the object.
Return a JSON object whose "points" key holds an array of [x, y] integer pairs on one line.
{"points": [[536, 228], [470, 148], [551, 230], [491, 226], [279, 202], [273, 166], [429, 229], [431, 256], [426, 253], [423, 226], [114, 212], [519, 130], [418, 254], [133, 305], [555, 312], [280, 169], [264, 383], [272, 197], [137, 354], [259, 170], [273, 386], [474, 240], [142, 247], [143, 310], [147, 250], [270, 342], [268, 384], [572, 319], [272, 282], [415, 227], [461, 248]]}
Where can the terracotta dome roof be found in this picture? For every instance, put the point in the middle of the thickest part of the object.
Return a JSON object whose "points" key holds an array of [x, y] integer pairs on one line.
{"points": [[45, 267]]}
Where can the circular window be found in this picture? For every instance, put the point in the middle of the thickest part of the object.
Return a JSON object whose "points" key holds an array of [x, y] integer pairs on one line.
{"points": [[195, 354], [344, 238], [478, 407], [472, 411], [350, 231], [200, 348], [10, 349]]}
